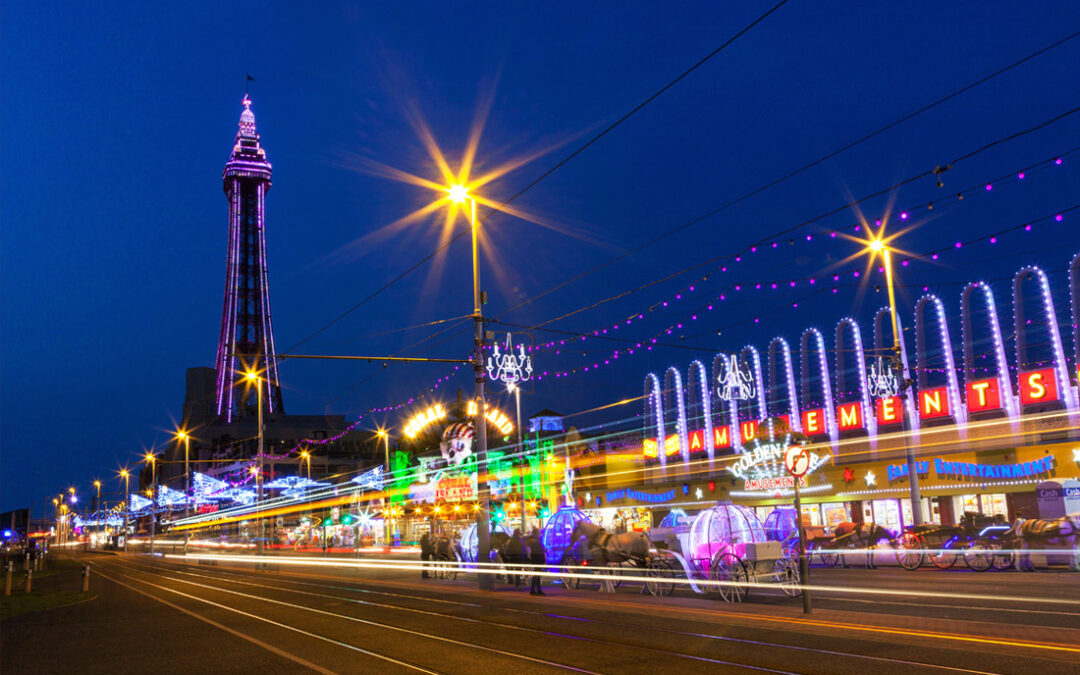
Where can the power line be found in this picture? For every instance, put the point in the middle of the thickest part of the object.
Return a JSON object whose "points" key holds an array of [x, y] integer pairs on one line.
{"points": [[804, 168], [937, 170], [553, 169]]}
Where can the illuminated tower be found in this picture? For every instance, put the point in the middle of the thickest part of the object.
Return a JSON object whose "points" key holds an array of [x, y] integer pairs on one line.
{"points": [[247, 336]]}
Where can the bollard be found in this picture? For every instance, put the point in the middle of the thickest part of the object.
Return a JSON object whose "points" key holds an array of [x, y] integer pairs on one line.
{"points": [[26, 563], [29, 578], [86, 578], [7, 580]]}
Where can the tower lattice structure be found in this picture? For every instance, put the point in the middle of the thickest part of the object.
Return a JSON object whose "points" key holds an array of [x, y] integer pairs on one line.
{"points": [[247, 335]]}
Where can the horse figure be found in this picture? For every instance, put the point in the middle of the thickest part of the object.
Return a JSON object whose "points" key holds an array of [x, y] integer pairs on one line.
{"points": [[862, 535], [605, 547], [1063, 531]]}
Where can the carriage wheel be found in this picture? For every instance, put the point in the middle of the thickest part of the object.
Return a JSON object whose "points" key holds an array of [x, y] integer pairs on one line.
{"points": [[657, 575], [911, 552], [978, 557], [786, 574], [946, 557], [1004, 558], [733, 575], [570, 567], [614, 569], [829, 558]]}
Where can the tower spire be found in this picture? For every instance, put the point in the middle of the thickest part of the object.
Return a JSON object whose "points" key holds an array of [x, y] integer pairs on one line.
{"points": [[247, 335]]}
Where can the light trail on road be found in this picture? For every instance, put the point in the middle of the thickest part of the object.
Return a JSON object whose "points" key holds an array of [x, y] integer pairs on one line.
{"points": [[543, 572], [706, 636]]}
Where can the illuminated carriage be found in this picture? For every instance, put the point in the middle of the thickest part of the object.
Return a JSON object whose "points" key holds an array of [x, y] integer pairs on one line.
{"points": [[470, 544], [727, 545], [557, 533], [782, 525]]}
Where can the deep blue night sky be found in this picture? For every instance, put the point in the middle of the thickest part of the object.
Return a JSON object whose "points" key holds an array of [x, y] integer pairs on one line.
{"points": [[116, 122]]}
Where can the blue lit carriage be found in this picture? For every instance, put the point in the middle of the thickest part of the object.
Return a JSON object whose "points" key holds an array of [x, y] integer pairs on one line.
{"points": [[556, 533], [675, 518], [782, 525]]}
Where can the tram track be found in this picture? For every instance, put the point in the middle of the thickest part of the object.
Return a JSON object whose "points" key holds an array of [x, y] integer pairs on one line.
{"points": [[143, 570], [630, 628], [722, 663]]}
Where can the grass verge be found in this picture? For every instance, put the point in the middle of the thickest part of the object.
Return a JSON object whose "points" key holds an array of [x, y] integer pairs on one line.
{"points": [[37, 601]]}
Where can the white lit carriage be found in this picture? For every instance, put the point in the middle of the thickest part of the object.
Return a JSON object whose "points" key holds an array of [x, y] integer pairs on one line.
{"points": [[725, 545], [470, 544]]}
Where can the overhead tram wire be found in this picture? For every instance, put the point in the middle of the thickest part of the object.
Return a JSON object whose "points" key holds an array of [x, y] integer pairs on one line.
{"points": [[805, 167], [781, 233], [552, 170]]}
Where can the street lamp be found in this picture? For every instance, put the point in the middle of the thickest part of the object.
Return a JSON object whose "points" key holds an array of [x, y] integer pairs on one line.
{"points": [[305, 455], [153, 498], [878, 245], [459, 193], [126, 475]]}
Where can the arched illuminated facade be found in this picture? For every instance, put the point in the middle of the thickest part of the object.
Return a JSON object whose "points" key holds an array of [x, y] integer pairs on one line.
{"points": [[681, 422]]}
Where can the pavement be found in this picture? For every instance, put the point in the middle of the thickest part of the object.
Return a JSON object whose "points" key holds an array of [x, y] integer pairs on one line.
{"points": [[175, 615]]}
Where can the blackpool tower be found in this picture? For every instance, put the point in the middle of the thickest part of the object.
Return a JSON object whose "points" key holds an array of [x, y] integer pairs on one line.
{"points": [[247, 336]]}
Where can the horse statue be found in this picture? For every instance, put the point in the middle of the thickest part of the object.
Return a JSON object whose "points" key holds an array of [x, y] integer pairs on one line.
{"points": [[602, 546], [862, 535], [1037, 533]]}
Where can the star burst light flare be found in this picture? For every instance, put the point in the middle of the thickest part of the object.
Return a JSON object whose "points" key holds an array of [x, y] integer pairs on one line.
{"points": [[452, 191]]}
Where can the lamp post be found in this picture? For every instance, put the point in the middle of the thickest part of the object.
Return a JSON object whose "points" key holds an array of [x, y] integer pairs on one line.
{"points": [[459, 193], [385, 436], [126, 475], [97, 502], [252, 376], [513, 387], [880, 246], [153, 498], [183, 435]]}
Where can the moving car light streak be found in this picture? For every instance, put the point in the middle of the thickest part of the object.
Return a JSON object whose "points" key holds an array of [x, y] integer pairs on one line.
{"points": [[540, 570]]}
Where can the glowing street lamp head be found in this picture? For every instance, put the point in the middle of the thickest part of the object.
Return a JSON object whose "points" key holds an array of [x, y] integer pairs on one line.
{"points": [[251, 376], [458, 193], [181, 435], [876, 245], [304, 454], [150, 457], [97, 483], [381, 433], [71, 490], [124, 473]]}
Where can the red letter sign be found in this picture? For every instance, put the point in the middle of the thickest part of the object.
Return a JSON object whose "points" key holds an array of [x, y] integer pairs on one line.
{"points": [[697, 441], [747, 430], [849, 416], [983, 395], [934, 403], [890, 410], [1038, 386], [813, 422], [721, 437]]}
